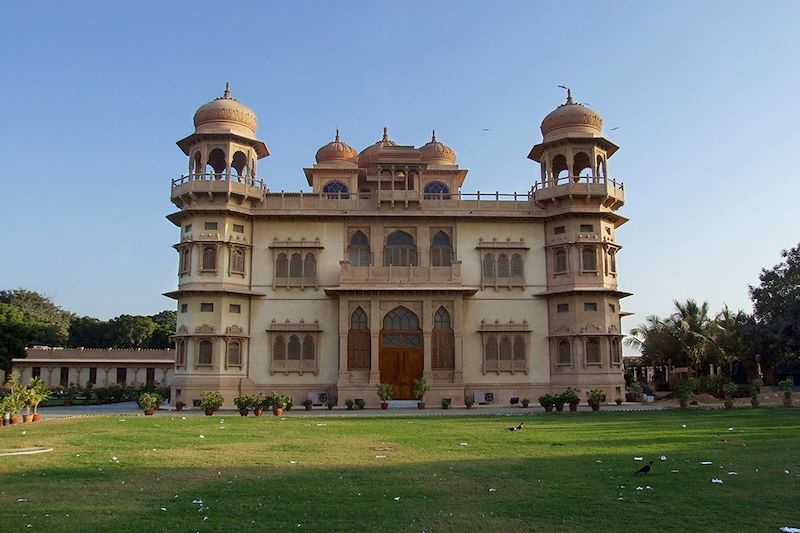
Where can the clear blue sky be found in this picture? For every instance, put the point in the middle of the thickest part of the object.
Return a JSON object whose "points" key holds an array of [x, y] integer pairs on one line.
{"points": [[97, 93]]}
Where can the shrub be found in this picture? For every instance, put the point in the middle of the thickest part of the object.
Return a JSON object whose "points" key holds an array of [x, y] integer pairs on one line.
{"points": [[755, 388], [360, 403], [330, 403], [212, 400], [570, 396], [385, 392], [597, 396], [446, 403], [547, 400], [785, 387], [244, 402], [420, 388], [730, 390], [149, 400], [349, 403]]}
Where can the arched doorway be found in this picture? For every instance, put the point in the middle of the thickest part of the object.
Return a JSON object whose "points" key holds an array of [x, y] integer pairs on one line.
{"points": [[401, 359]]}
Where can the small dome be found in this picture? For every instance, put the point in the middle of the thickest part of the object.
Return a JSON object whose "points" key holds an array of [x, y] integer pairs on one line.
{"points": [[437, 153], [571, 120], [225, 115], [337, 150], [371, 153]]}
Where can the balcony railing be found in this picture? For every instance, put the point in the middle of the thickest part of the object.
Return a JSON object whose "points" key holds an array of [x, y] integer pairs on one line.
{"points": [[219, 177], [411, 274], [579, 185]]}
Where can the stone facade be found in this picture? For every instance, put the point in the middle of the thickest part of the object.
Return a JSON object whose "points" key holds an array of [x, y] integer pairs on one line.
{"points": [[387, 271]]}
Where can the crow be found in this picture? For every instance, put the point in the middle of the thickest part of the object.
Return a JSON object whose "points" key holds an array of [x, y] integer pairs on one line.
{"points": [[517, 428], [645, 469]]}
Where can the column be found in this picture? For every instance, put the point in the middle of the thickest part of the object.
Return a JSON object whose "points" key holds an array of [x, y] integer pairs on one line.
{"points": [[344, 322], [458, 329], [427, 329], [375, 332]]}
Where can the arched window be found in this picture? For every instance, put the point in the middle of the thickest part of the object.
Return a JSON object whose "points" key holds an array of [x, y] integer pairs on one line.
{"points": [[358, 341], [234, 353], [516, 266], [294, 348], [216, 162], [564, 353], [581, 163], [400, 250], [180, 353], [296, 266], [560, 261], [616, 354], [359, 250], [197, 163], [441, 249], [505, 349], [488, 267], [237, 261], [209, 258], [239, 163], [589, 259], [401, 319], [279, 349], [612, 261], [205, 352], [490, 353], [601, 166], [335, 189], [593, 351], [282, 266], [560, 168], [308, 348], [186, 260], [502, 266], [310, 267], [443, 348], [436, 190]]}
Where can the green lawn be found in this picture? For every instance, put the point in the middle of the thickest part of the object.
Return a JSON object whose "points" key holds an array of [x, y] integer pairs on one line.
{"points": [[566, 472]]}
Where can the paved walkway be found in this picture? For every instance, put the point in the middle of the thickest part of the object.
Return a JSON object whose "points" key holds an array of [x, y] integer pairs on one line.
{"points": [[131, 409]]}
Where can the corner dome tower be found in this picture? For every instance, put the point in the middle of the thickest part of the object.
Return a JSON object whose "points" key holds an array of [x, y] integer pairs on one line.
{"points": [[437, 153], [571, 119], [226, 115]]}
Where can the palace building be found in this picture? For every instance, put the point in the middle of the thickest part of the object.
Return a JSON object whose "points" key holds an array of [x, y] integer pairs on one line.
{"points": [[387, 271]]}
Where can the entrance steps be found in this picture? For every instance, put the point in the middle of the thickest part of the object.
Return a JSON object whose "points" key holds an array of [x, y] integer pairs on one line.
{"points": [[402, 404]]}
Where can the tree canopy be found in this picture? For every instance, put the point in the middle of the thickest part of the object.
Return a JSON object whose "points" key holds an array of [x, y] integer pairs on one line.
{"points": [[50, 323]]}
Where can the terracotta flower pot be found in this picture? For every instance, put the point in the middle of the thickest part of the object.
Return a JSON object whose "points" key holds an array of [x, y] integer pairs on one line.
{"points": [[684, 403], [384, 405], [420, 405], [559, 407], [308, 407], [258, 411], [149, 412], [209, 412], [595, 406], [755, 402], [27, 419], [244, 411], [15, 420], [278, 411], [573, 407], [37, 417], [549, 408], [787, 402]]}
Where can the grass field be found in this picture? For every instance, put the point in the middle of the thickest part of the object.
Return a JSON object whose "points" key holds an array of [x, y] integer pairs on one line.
{"points": [[567, 472]]}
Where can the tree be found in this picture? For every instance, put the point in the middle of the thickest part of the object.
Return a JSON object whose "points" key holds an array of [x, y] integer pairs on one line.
{"points": [[776, 305], [50, 322], [166, 322], [656, 342], [690, 324], [128, 331], [89, 332], [15, 334]]}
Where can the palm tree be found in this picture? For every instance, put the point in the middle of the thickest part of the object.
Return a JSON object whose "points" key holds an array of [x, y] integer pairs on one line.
{"points": [[691, 327], [655, 340]]}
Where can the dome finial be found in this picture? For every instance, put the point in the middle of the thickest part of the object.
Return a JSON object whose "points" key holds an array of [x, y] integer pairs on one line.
{"points": [[569, 94], [337, 135], [433, 136], [385, 133], [227, 93]]}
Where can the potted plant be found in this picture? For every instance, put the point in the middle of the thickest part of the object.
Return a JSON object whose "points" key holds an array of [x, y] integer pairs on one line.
{"points": [[148, 402], [618, 400], [634, 393], [360, 403], [683, 391], [16, 398], [278, 403], [571, 398], [385, 394], [420, 388], [243, 403], [785, 387], [525, 403], [179, 405], [330, 403], [38, 394], [446, 403], [548, 401], [308, 404], [558, 402], [729, 390], [25, 403], [596, 397], [211, 401], [468, 403], [755, 390], [349, 404], [258, 404]]}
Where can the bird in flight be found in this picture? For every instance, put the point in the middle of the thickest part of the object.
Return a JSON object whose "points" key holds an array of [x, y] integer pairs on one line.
{"points": [[516, 428], [645, 469]]}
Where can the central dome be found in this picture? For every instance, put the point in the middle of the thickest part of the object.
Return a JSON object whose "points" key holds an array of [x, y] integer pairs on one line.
{"points": [[225, 115], [571, 120], [371, 153]]}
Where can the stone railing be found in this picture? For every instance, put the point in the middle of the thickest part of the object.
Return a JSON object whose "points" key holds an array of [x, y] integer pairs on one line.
{"points": [[579, 185], [398, 275]]}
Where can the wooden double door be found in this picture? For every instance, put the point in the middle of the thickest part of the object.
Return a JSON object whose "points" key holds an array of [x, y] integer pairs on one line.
{"points": [[401, 362]]}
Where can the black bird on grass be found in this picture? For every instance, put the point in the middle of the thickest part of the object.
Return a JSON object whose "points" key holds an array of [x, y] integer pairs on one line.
{"points": [[516, 428], [645, 469]]}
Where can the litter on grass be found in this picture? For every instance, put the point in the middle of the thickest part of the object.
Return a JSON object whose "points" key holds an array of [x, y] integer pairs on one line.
{"points": [[718, 481], [663, 457], [397, 498], [706, 463], [492, 490], [638, 458]]}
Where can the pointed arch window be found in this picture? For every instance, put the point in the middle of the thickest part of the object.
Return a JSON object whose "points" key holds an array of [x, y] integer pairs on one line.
{"points": [[400, 250], [234, 356], [490, 359], [282, 266], [503, 270], [516, 266], [488, 267], [209, 258], [186, 260], [310, 267], [564, 353], [296, 266], [401, 328], [279, 349], [560, 261], [359, 253], [436, 191], [589, 259], [237, 261], [205, 353], [335, 189], [359, 347], [293, 352], [441, 249], [593, 352], [443, 339]]}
